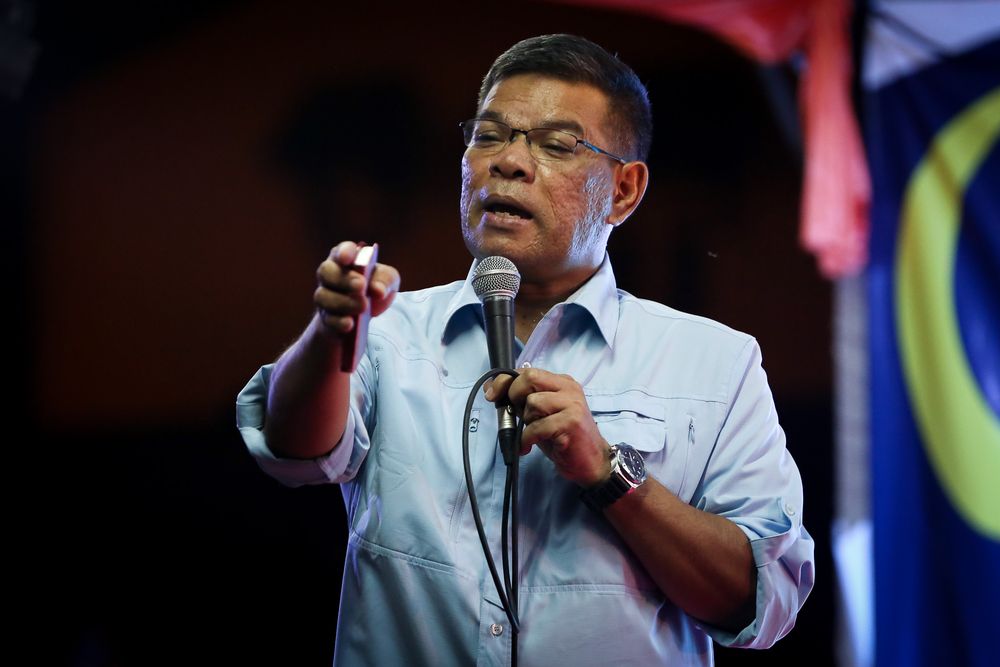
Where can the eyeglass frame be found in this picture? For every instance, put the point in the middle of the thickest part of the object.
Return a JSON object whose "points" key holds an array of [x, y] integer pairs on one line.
{"points": [[514, 130]]}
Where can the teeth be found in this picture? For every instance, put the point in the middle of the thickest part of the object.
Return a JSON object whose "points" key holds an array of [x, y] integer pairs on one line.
{"points": [[508, 210]]}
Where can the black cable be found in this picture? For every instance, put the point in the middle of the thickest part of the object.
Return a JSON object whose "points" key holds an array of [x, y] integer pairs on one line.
{"points": [[514, 546], [512, 594], [510, 610], [504, 536], [510, 510]]}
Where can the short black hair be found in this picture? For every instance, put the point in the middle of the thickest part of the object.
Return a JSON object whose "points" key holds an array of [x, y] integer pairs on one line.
{"points": [[579, 60]]}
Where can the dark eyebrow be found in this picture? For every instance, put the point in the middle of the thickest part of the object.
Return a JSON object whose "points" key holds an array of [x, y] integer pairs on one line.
{"points": [[554, 124]]}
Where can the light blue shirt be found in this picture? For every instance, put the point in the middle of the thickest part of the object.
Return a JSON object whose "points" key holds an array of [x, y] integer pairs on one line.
{"points": [[687, 392]]}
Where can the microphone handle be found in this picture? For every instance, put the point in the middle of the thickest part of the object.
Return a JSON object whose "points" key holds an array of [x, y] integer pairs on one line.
{"points": [[498, 312]]}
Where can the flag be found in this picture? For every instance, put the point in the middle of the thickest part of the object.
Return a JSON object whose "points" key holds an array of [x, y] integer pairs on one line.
{"points": [[931, 126], [835, 186]]}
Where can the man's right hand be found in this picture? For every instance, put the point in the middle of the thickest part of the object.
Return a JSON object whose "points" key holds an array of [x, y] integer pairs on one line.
{"points": [[340, 293], [307, 402]]}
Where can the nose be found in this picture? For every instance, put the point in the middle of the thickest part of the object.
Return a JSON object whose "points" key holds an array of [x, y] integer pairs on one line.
{"points": [[514, 160]]}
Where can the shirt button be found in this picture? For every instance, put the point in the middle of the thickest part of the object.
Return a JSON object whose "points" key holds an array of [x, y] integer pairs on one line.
{"points": [[526, 364], [789, 510], [496, 629]]}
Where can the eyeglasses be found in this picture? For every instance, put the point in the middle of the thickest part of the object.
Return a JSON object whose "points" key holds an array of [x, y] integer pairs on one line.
{"points": [[545, 143]]}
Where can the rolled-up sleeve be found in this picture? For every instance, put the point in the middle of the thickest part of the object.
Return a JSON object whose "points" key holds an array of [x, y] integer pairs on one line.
{"points": [[753, 481], [340, 465]]}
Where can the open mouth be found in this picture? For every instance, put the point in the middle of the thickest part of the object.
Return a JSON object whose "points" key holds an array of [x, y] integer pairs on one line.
{"points": [[498, 208]]}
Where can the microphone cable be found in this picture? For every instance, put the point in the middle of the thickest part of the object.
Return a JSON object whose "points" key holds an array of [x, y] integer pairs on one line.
{"points": [[507, 589]]}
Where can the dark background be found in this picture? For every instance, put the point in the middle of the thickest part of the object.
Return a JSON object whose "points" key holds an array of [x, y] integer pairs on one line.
{"points": [[173, 172]]}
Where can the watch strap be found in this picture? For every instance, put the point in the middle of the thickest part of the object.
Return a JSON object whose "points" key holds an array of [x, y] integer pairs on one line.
{"points": [[604, 495]]}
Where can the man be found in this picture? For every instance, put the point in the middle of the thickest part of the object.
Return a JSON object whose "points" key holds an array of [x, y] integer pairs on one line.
{"points": [[708, 545]]}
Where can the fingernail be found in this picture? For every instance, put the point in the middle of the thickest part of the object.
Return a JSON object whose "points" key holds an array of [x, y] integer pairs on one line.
{"points": [[356, 283], [378, 288], [488, 390]]}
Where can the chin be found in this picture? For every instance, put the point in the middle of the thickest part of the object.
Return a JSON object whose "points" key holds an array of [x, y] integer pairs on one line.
{"points": [[498, 249]]}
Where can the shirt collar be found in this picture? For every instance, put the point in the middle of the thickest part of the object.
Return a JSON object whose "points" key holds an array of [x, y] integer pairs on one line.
{"points": [[464, 298], [598, 297]]}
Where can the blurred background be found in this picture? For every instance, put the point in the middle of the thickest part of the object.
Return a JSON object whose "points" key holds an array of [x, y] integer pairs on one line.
{"points": [[173, 174]]}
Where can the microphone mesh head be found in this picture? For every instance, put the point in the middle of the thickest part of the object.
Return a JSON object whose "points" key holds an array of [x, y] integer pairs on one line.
{"points": [[496, 276]]}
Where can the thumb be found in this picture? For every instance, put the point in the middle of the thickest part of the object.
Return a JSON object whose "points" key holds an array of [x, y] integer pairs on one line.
{"points": [[383, 288]]}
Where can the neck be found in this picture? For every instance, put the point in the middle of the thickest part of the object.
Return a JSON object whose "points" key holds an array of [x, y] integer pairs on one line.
{"points": [[534, 300], [526, 318]]}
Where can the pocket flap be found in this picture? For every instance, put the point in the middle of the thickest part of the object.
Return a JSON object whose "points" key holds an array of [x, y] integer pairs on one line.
{"points": [[637, 420]]}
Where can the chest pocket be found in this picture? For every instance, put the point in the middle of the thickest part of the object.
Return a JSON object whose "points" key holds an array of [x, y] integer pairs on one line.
{"points": [[642, 422]]}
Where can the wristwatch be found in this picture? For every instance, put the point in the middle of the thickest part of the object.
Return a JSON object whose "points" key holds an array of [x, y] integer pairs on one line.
{"points": [[628, 472]]}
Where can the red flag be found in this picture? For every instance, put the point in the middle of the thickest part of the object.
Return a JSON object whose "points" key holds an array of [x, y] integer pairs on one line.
{"points": [[836, 189]]}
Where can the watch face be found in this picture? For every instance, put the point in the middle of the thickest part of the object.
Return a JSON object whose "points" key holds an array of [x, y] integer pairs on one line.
{"points": [[632, 463]]}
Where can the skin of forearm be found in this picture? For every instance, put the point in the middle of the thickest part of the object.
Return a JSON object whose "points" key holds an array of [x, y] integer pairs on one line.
{"points": [[308, 397], [701, 561]]}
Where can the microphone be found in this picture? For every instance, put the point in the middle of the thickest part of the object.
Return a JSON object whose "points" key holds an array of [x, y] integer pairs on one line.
{"points": [[496, 281]]}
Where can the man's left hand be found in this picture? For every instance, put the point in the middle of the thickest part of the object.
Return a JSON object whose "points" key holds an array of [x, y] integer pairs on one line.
{"points": [[557, 419]]}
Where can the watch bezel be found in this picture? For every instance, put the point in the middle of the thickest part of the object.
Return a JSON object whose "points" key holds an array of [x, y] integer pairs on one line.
{"points": [[631, 465]]}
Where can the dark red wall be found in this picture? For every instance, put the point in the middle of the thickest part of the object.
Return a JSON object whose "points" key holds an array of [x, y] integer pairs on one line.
{"points": [[187, 166]]}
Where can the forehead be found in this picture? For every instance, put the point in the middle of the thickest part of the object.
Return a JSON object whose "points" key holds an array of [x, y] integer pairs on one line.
{"points": [[531, 100]]}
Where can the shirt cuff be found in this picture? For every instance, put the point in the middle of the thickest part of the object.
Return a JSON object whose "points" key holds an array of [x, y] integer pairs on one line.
{"points": [[785, 576], [250, 410]]}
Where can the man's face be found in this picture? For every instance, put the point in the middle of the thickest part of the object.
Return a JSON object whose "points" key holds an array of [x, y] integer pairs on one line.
{"points": [[549, 217]]}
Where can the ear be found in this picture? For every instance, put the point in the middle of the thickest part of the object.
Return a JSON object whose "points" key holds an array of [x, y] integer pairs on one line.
{"points": [[630, 185]]}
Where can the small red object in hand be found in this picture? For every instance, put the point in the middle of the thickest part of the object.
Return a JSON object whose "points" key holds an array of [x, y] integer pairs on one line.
{"points": [[352, 349]]}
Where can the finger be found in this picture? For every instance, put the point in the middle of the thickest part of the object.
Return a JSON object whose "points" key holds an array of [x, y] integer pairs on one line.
{"points": [[532, 380], [338, 324], [550, 433], [383, 287], [337, 303], [541, 404], [344, 253], [337, 311], [335, 271], [334, 276], [343, 279], [497, 387]]}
